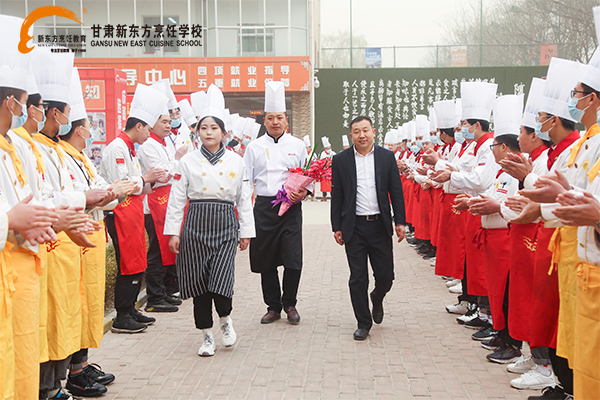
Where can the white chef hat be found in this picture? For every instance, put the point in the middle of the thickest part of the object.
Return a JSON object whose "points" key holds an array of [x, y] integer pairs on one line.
{"points": [[227, 119], [597, 21], [215, 104], [14, 66], [198, 99], [255, 130], [591, 76], [248, 126], [52, 73], [458, 111], [187, 113], [147, 104], [31, 84], [390, 137], [325, 142], [345, 141], [562, 77], [76, 101], [405, 131], [422, 125], [412, 130], [164, 86], [536, 92], [477, 99], [445, 114], [432, 120], [238, 126], [274, 97], [508, 113], [306, 139]]}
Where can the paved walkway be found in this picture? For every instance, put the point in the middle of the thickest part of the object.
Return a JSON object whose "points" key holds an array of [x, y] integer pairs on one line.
{"points": [[419, 351]]}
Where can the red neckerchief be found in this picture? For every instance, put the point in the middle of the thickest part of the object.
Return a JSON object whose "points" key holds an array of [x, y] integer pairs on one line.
{"points": [[537, 152], [128, 142], [481, 141], [463, 147], [499, 173], [175, 131], [555, 151], [158, 139]]}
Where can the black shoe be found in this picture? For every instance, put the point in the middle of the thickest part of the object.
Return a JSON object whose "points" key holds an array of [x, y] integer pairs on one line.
{"points": [[552, 393], [493, 343], [126, 324], [361, 334], [486, 333], [377, 311], [476, 323], [423, 250], [64, 396], [429, 256], [270, 317], [173, 301], [505, 354], [292, 315], [412, 240], [160, 306], [141, 318], [82, 385], [95, 372]]}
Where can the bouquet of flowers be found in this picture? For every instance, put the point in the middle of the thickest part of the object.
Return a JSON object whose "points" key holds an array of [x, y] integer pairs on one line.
{"points": [[300, 177]]}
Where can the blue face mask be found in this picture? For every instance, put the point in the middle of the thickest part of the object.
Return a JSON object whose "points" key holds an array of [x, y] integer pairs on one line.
{"points": [[458, 137], [466, 134], [40, 124], [246, 142], [575, 112], [434, 140], [64, 129], [227, 141], [419, 144], [90, 140], [175, 123], [540, 134], [18, 122], [414, 149]]}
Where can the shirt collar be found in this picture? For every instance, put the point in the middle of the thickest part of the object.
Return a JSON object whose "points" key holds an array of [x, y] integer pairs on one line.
{"points": [[369, 153], [275, 140]]}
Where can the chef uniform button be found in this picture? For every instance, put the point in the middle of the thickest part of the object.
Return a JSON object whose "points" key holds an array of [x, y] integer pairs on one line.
{"points": [[62, 188], [204, 174], [4, 157], [220, 161], [221, 188], [220, 173], [204, 189]]}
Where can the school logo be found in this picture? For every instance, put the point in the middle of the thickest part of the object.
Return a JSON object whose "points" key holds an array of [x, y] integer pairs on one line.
{"points": [[163, 199], [126, 202], [531, 245], [51, 246], [42, 12]]}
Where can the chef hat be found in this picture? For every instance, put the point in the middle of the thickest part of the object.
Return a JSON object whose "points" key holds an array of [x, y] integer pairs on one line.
{"points": [[591, 75], [255, 130], [508, 113], [238, 126], [147, 104], [228, 119], [477, 99], [345, 141], [187, 113], [306, 139], [562, 77], [412, 130], [325, 142], [198, 99], [432, 120], [215, 104], [164, 86], [31, 84], [274, 97], [14, 66], [76, 101], [597, 21], [536, 92], [405, 131], [458, 111], [52, 73], [445, 114], [422, 125], [390, 137]]}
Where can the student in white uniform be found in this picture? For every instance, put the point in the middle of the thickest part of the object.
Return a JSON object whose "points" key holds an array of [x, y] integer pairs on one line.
{"points": [[215, 184]]}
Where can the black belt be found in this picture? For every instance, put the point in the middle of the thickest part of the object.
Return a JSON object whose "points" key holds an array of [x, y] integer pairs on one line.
{"points": [[220, 201], [373, 217]]}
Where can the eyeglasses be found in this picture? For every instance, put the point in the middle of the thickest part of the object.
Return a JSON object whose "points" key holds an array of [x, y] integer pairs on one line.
{"points": [[573, 92], [495, 144], [539, 117]]}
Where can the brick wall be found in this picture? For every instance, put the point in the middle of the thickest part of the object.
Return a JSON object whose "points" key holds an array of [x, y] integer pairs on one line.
{"points": [[300, 123]]}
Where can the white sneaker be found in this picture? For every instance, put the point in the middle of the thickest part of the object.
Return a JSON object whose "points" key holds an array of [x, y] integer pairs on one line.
{"points": [[228, 334], [208, 347], [453, 282], [432, 262], [458, 308], [472, 313], [524, 364], [533, 380], [456, 289]]}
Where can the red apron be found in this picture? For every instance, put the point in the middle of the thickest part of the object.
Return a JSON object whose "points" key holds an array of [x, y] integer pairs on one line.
{"points": [[496, 245], [325, 186], [416, 208], [425, 201], [545, 299], [157, 202], [475, 257], [435, 215], [522, 258], [450, 260], [129, 222], [408, 199]]}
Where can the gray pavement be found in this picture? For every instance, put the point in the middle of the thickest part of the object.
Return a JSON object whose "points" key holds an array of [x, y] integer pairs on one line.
{"points": [[419, 351]]}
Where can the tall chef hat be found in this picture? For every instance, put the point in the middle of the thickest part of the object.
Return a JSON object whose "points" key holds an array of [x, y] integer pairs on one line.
{"points": [[14, 66], [345, 141], [477, 99], [274, 97], [591, 76], [147, 104], [248, 126], [432, 120], [597, 21], [198, 99], [52, 73], [306, 139], [76, 100], [187, 113], [562, 77], [238, 126], [325, 142], [405, 131], [412, 131], [422, 125], [508, 113], [536, 92], [458, 111], [164, 86], [390, 137], [255, 130], [445, 114], [32, 87], [215, 104]]}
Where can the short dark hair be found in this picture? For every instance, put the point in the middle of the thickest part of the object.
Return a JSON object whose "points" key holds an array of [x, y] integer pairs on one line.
{"points": [[485, 125], [361, 118], [59, 105], [132, 122], [74, 125], [588, 90], [531, 131], [8, 91], [448, 131], [217, 120], [34, 99], [510, 141], [566, 123]]}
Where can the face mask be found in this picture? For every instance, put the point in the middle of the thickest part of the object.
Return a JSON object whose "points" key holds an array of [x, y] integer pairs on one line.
{"points": [[90, 140], [246, 142], [227, 141], [64, 129], [176, 123], [233, 143], [414, 149], [40, 123], [458, 137], [434, 140], [419, 144], [575, 112], [540, 134], [466, 134], [18, 122]]}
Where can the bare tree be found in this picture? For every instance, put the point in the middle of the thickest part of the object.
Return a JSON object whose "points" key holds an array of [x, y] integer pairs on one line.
{"points": [[335, 50]]}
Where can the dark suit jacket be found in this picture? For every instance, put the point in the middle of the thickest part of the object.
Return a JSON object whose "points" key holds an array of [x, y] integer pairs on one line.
{"points": [[343, 191]]}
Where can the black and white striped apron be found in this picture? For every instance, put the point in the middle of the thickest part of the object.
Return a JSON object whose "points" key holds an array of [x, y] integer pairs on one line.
{"points": [[207, 248]]}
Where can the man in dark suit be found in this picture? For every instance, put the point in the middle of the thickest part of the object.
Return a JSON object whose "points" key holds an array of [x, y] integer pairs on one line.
{"points": [[364, 180]]}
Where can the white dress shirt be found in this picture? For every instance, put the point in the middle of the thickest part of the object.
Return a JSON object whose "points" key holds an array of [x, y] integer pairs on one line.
{"points": [[366, 189]]}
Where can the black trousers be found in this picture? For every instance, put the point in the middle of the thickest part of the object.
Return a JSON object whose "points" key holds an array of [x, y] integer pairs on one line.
{"points": [[272, 295], [370, 240], [155, 270], [127, 287], [562, 371], [77, 359], [465, 296], [505, 333], [51, 373], [203, 309]]}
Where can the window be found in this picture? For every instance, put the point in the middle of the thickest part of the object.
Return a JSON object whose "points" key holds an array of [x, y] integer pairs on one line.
{"points": [[167, 20], [257, 41]]}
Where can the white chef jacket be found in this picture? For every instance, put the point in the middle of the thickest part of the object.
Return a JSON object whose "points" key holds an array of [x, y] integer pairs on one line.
{"points": [[175, 142], [324, 154], [268, 162], [152, 153], [588, 248], [119, 164], [482, 175], [196, 178], [464, 163], [502, 187]]}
